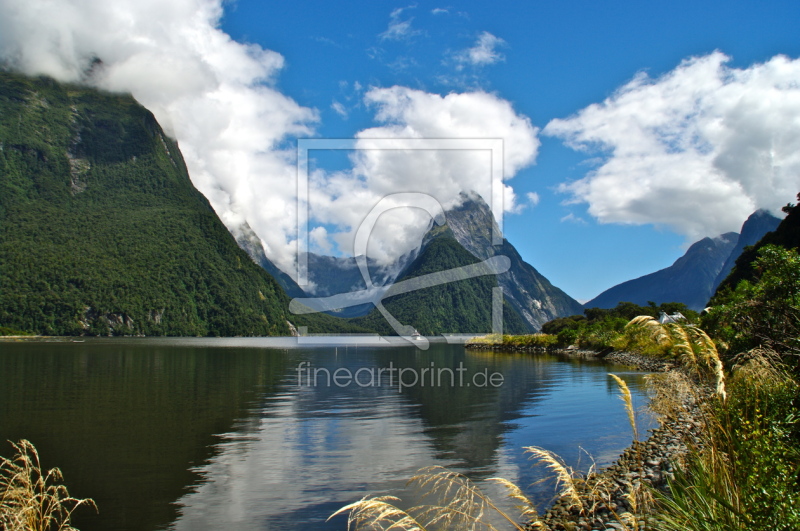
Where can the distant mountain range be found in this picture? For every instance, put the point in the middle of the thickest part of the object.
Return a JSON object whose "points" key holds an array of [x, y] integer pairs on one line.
{"points": [[786, 234], [694, 277], [754, 229], [466, 238]]}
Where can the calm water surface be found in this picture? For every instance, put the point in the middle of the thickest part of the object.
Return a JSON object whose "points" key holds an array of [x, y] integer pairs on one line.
{"points": [[209, 434]]}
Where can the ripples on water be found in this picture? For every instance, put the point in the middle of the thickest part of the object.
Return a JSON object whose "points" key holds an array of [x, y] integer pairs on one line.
{"points": [[196, 434]]}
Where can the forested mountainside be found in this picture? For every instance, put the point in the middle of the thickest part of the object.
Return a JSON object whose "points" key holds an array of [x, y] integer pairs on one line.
{"points": [[102, 232]]}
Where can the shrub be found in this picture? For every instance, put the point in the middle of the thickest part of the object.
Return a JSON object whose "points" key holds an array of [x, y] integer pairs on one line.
{"points": [[745, 475]]}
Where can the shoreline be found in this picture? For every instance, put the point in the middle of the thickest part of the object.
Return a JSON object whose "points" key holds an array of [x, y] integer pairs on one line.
{"points": [[609, 495]]}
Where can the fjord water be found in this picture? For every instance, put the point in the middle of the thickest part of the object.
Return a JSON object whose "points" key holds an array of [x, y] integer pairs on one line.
{"points": [[207, 434]]}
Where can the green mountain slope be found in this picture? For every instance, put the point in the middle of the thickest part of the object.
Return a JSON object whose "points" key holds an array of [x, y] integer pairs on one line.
{"points": [[787, 234], [463, 306], [102, 232]]}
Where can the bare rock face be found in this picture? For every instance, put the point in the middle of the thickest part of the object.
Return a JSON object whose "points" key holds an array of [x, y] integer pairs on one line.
{"points": [[524, 288]]}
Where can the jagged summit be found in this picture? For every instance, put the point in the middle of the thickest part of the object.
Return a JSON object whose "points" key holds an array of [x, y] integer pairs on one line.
{"points": [[524, 288]]}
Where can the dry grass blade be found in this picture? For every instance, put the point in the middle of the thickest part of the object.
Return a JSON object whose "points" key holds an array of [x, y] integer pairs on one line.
{"points": [[564, 475], [656, 330], [31, 500], [670, 394], [460, 503], [709, 354], [682, 346], [526, 506], [628, 399], [378, 513]]}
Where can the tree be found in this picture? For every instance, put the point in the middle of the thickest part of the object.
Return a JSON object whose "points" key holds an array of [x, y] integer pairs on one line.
{"points": [[762, 312]]}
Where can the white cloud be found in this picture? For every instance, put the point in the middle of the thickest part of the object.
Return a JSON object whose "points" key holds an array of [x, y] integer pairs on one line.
{"points": [[439, 11], [339, 109], [212, 94], [217, 98], [533, 198], [697, 149], [484, 52], [399, 29], [572, 218], [344, 198], [319, 237]]}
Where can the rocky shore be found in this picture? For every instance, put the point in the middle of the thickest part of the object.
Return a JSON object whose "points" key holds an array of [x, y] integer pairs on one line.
{"points": [[615, 498]]}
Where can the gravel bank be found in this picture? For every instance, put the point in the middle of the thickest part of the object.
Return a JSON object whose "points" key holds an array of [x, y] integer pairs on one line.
{"points": [[610, 500], [609, 496]]}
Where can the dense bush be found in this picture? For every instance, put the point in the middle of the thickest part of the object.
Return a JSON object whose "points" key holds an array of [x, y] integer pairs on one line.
{"points": [[764, 311], [602, 328]]}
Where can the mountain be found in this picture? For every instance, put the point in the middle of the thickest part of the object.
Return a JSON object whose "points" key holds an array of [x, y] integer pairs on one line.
{"points": [[102, 232], [786, 234], [457, 306], [755, 227], [465, 306], [251, 243], [530, 299], [525, 289], [689, 280]]}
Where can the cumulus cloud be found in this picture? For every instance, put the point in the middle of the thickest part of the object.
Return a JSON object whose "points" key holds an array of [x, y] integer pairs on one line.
{"points": [[407, 115], [697, 149], [533, 198], [484, 52], [218, 99], [214, 95]]}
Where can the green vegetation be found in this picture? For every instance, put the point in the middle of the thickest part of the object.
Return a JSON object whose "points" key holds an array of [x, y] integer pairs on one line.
{"points": [[458, 306], [535, 341], [745, 474], [763, 311], [599, 328], [102, 232], [11, 332]]}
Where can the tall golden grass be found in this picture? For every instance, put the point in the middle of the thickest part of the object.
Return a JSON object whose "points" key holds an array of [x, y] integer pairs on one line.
{"points": [[32, 499], [689, 344], [457, 503]]}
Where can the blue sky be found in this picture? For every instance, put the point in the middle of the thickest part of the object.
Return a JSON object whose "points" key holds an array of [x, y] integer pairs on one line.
{"points": [[631, 129], [556, 58]]}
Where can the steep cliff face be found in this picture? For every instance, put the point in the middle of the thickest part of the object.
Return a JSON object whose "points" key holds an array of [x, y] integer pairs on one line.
{"points": [[786, 234], [524, 288], [689, 280], [102, 232], [755, 227]]}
